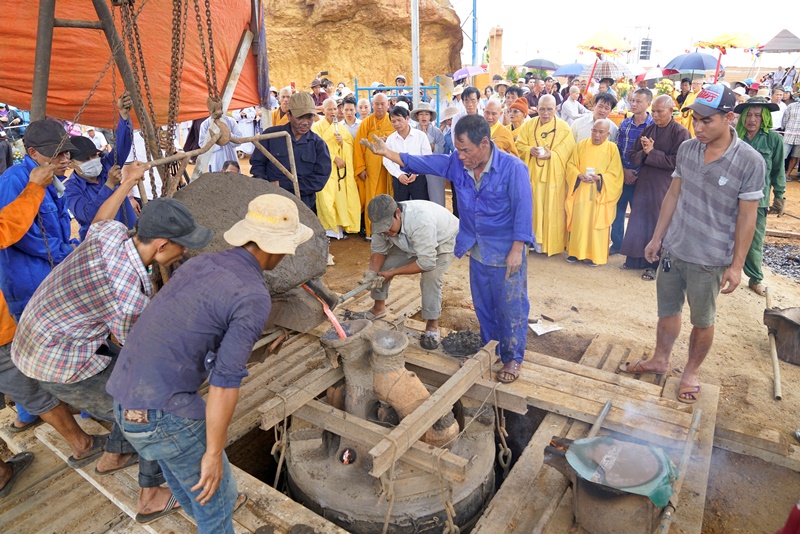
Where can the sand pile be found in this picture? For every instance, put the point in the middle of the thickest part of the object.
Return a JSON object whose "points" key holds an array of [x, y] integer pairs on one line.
{"points": [[218, 200]]}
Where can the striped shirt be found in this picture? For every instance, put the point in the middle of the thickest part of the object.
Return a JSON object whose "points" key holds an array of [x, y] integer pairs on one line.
{"points": [[99, 289], [629, 132], [704, 223], [791, 124]]}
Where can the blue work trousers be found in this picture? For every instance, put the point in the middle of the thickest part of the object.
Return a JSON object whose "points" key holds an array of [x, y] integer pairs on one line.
{"points": [[178, 445], [618, 226], [502, 307]]}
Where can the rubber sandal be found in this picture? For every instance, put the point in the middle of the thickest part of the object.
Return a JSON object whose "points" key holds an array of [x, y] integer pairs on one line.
{"points": [[635, 368], [509, 368], [689, 390], [14, 429], [171, 507], [429, 340], [98, 447], [133, 460], [19, 463], [368, 315], [241, 504]]}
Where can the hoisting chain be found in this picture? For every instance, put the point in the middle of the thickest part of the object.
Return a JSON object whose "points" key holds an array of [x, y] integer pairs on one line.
{"points": [[180, 12], [211, 50], [504, 452], [212, 87]]}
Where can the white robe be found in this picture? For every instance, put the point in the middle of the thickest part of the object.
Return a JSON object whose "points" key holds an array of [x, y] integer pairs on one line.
{"points": [[245, 118], [220, 154]]}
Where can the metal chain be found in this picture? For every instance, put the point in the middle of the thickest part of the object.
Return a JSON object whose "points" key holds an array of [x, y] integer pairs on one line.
{"points": [[211, 50], [46, 244], [504, 452], [212, 90]]}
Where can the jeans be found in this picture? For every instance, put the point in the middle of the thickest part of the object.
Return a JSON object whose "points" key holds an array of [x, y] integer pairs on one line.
{"points": [[90, 396], [618, 226], [178, 445]]}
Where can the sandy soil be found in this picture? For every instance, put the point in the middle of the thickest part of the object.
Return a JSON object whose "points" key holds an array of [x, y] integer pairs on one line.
{"points": [[745, 495]]}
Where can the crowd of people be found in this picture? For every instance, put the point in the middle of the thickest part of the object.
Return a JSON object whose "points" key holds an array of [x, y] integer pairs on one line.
{"points": [[531, 170]]}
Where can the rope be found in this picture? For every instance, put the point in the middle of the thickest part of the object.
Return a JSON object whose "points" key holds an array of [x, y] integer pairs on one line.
{"points": [[281, 439]]}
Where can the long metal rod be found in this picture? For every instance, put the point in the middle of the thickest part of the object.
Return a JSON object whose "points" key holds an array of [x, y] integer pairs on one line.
{"points": [[598, 424], [353, 292], [672, 505], [84, 24], [125, 71], [773, 351], [41, 66]]}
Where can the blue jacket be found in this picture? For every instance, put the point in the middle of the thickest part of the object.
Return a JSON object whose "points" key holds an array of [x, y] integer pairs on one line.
{"points": [[494, 216], [311, 157], [84, 198], [24, 265]]}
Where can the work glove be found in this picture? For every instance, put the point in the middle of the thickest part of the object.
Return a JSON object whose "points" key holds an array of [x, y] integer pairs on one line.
{"points": [[778, 206], [372, 279]]}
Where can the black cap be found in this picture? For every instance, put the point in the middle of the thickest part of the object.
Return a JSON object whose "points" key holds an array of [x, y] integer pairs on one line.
{"points": [[45, 136], [85, 148], [169, 219], [714, 98]]}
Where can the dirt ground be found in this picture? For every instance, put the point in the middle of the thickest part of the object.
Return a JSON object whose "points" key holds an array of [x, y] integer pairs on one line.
{"points": [[745, 494]]}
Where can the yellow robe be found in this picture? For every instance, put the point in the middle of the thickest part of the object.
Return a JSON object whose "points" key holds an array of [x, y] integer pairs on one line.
{"points": [[590, 212], [378, 181], [686, 116], [277, 120], [338, 204], [503, 139], [548, 180]]}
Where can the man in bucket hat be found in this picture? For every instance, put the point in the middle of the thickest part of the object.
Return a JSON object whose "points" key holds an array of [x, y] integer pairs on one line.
{"points": [[202, 325], [755, 129], [64, 336]]}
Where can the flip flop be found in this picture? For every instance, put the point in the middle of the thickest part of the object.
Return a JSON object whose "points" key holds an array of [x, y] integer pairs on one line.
{"points": [[689, 390], [241, 504], [648, 275], [368, 315], [510, 368], [98, 447], [19, 463], [635, 368], [171, 507], [133, 460], [14, 429]]}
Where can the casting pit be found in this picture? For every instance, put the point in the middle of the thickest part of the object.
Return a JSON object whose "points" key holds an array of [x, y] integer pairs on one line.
{"points": [[330, 474]]}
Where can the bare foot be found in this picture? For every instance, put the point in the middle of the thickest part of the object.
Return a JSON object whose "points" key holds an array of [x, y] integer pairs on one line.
{"points": [[6, 472], [109, 461], [153, 500]]}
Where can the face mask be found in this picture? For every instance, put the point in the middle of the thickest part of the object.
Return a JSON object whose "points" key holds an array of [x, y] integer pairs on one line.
{"points": [[91, 168]]}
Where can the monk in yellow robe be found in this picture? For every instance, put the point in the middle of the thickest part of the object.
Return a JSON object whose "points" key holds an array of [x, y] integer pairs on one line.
{"points": [[545, 143], [372, 177], [594, 184], [280, 115], [686, 116], [338, 204], [501, 136]]}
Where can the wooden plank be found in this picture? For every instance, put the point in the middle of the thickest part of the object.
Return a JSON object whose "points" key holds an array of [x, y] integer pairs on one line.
{"points": [[414, 425], [689, 515], [748, 435], [420, 455], [781, 233], [293, 397], [791, 460]]}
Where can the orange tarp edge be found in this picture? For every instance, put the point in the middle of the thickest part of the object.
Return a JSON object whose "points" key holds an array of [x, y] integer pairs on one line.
{"points": [[79, 56]]}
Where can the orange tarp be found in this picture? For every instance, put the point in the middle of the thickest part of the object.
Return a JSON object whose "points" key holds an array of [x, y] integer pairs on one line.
{"points": [[79, 56]]}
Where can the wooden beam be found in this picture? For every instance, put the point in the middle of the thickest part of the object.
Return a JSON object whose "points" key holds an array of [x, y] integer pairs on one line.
{"points": [[41, 65], [420, 455], [414, 425], [781, 233], [293, 397], [227, 94], [751, 435]]}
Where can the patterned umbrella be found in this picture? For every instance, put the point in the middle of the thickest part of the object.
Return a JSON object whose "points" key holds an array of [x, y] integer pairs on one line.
{"points": [[604, 43], [607, 69], [656, 74]]}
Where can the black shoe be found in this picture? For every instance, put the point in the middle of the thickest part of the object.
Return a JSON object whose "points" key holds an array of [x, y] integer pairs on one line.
{"points": [[613, 251]]}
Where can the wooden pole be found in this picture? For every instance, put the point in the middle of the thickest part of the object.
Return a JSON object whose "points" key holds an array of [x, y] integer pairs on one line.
{"points": [[773, 351], [41, 66]]}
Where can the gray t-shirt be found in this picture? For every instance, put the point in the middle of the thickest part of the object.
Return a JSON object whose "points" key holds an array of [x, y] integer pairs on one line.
{"points": [[703, 225]]}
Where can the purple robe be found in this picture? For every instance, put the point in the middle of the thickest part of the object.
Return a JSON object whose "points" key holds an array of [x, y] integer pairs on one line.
{"points": [[655, 177]]}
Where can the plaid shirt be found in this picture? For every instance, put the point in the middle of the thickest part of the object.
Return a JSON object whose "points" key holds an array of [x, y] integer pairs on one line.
{"points": [[629, 132], [791, 124], [100, 289]]}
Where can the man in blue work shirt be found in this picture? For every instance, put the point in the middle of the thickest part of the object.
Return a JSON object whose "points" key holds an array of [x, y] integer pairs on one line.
{"points": [[91, 183], [494, 202], [311, 156], [26, 263]]}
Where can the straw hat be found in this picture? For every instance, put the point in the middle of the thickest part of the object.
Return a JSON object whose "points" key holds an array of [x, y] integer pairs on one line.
{"points": [[273, 223], [458, 90], [423, 106], [449, 113]]}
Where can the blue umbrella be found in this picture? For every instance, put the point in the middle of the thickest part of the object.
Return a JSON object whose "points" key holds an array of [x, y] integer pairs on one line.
{"points": [[468, 71], [570, 69], [695, 61]]}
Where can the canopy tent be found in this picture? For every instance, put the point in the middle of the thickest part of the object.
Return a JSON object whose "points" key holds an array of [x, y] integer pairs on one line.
{"points": [[78, 56], [784, 42]]}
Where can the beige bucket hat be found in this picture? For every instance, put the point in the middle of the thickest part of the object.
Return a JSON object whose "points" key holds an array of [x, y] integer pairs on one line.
{"points": [[273, 223]]}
